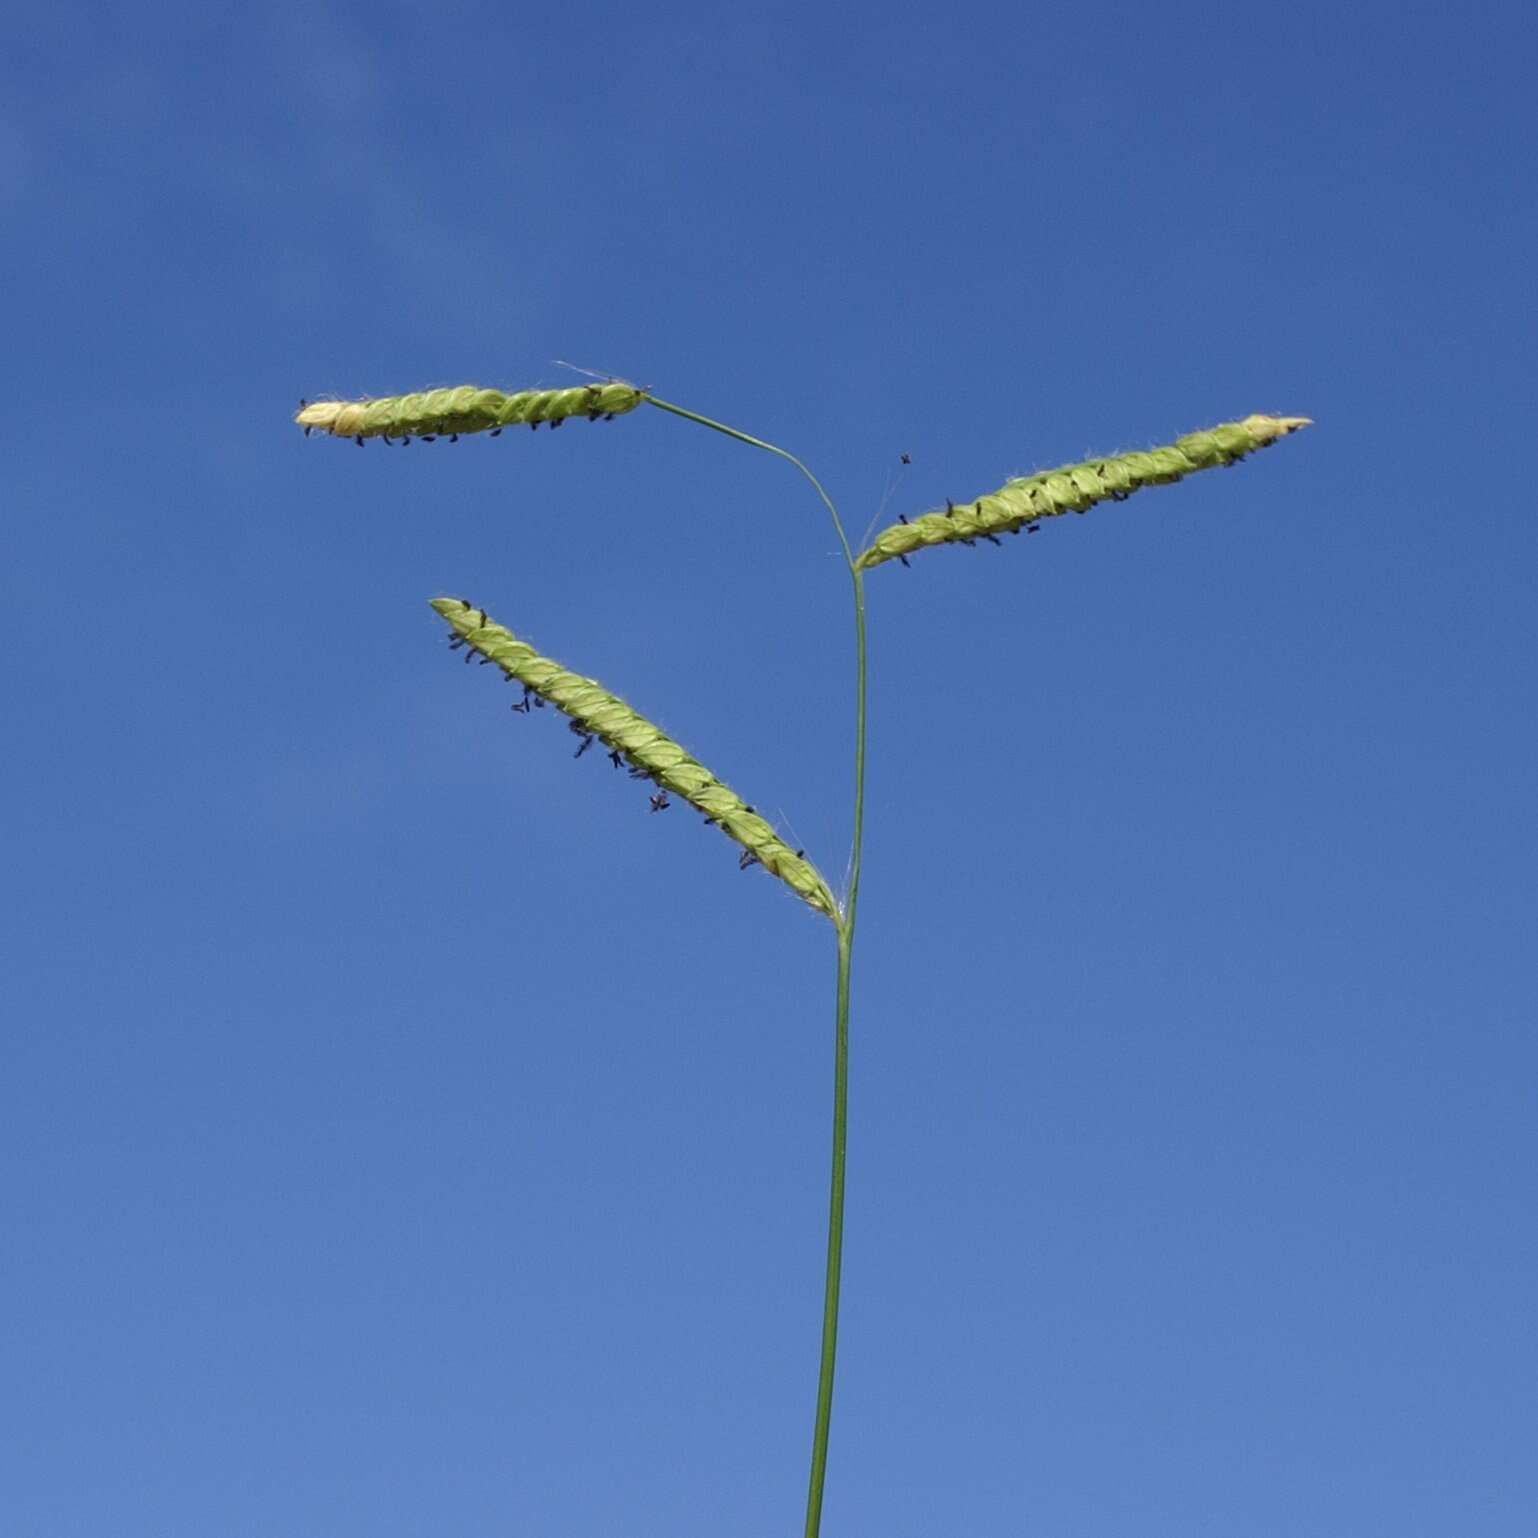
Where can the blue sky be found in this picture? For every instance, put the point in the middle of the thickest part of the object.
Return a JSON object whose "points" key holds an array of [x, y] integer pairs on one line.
{"points": [[404, 1133]]}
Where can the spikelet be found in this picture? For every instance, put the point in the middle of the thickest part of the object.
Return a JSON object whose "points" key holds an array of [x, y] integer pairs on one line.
{"points": [[465, 409], [1024, 502], [651, 753]]}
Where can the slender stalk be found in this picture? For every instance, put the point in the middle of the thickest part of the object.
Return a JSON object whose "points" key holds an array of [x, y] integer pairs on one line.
{"points": [[840, 1089], [770, 448], [834, 1275], [835, 1269], [852, 901]]}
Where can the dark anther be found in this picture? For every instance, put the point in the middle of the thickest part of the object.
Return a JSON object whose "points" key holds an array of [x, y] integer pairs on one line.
{"points": [[639, 772], [593, 416], [302, 403], [359, 440], [587, 742], [533, 427], [904, 560], [950, 508], [609, 417], [660, 802], [800, 853], [427, 438], [496, 432], [1032, 528], [405, 441], [615, 759], [751, 811], [522, 706], [455, 642], [387, 440], [539, 703], [902, 517], [991, 540], [307, 432], [453, 437], [1120, 496], [556, 423], [748, 858], [907, 459]]}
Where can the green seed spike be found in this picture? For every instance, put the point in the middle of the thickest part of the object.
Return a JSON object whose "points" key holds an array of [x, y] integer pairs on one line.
{"points": [[645, 746], [465, 409], [1073, 488]]}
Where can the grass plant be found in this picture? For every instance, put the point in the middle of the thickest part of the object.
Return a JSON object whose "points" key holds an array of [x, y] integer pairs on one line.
{"points": [[637, 745]]}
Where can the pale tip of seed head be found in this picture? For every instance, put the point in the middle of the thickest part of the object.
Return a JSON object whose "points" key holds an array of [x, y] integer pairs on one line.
{"points": [[1266, 429], [343, 418]]}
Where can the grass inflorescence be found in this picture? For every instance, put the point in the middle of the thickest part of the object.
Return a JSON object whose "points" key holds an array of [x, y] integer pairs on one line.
{"points": [[463, 409], [597, 715], [1024, 502], [632, 742]]}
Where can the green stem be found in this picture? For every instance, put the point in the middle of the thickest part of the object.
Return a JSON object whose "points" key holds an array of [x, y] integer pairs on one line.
{"points": [[841, 1015], [769, 448], [852, 902], [835, 1269], [840, 1089]]}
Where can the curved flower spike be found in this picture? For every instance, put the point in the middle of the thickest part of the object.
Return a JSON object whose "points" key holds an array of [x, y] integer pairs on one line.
{"points": [[465, 409], [1024, 502], [651, 753]]}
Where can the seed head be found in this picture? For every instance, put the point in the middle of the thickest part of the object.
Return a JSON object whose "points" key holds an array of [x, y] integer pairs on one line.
{"points": [[649, 751], [465, 409], [1075, 488]]}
